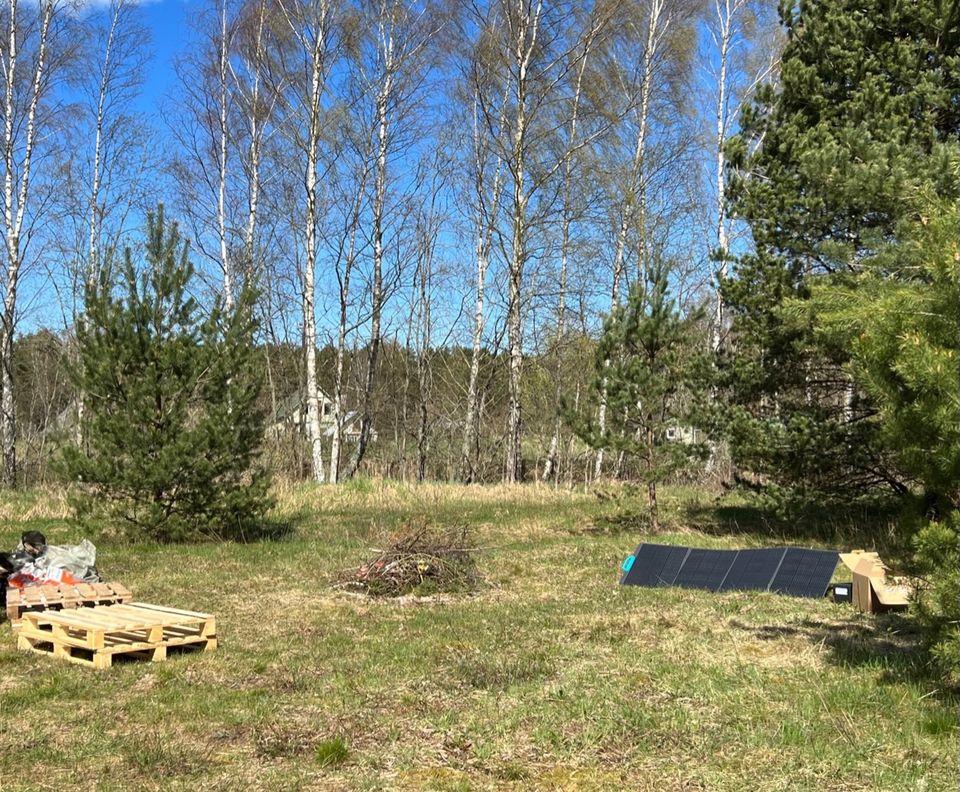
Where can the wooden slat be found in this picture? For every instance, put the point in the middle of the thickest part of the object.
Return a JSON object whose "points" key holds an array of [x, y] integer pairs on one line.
{"points": [[165, 609], [62, 596], [106, 616], [103, 658], [99, 618], [151, 615], [71, 617], [109, 618]]}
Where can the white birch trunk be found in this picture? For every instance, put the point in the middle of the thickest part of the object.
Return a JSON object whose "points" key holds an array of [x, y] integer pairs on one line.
{"points": [[255, 147], [551, 468], [222, 109], [484, 239], [14, 206], [317, 79], [525, 44], [635, 205], [725, 10], [338, 404], [94, 218], [384, 98]]}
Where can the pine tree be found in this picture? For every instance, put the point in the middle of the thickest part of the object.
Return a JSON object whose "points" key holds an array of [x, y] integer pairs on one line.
{"points": [[825, 169], [650, 359], [899, 314], [173, 429], [937, 598]]}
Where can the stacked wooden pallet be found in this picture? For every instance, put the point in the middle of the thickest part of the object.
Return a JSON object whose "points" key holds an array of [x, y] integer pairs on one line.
{"points": [[94, 636], [62, 596]]}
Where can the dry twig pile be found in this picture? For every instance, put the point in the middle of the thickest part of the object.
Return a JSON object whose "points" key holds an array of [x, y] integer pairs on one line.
{"points": [[418, 560]]}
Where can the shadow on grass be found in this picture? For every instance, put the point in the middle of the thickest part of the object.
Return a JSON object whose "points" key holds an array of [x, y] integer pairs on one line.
{"points": [[890, 642], [268, 529], [843, 527], [632, 521]]}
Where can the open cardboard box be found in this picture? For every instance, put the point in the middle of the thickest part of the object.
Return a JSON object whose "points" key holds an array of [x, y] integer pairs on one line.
{"points": [[872, 591]]}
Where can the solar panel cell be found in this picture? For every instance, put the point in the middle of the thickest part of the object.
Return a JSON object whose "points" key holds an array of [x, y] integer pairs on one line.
{"points": [[672, 565], [705, 569], [655, 565], [753, 570], [805, 573]]}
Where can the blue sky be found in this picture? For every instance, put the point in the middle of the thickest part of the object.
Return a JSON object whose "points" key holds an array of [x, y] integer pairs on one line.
{"points": [[169, 22]]}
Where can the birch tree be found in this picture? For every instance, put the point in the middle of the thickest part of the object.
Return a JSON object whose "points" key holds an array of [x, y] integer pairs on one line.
{"points": [[523, 50], [349, 246], [28, 65], [652, 22], [487, 191], [427, 233], [311, 26], [394, 78], [112, 174], [202, 126], [258, 89], [738, 66], [118, 162], [595, 30]]}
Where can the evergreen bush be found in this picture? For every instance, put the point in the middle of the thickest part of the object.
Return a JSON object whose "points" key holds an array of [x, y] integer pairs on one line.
{"points": [[937, 602], [172, 430], [652, 370]]}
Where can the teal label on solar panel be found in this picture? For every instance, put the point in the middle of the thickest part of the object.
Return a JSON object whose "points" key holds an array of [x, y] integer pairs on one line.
{"points": [[628, 563]]}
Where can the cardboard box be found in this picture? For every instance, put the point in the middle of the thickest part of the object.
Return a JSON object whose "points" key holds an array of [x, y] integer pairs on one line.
{"points": [[873, 591]]}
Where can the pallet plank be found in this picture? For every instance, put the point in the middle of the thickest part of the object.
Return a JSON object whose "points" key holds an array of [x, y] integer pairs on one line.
{"points": [[178, 611]]}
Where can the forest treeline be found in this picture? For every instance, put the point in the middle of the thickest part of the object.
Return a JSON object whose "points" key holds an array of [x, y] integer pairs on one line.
{"points": [[437, 201], [46, 404]]}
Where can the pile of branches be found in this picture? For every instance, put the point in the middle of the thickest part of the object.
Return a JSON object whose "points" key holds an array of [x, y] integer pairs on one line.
{"points": [[418, 560]]}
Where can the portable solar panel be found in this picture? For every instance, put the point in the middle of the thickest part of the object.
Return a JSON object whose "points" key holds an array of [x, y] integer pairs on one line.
{"points": [[796, 571], [753, 570], [805, 573], [655, 565], [705, 569]]}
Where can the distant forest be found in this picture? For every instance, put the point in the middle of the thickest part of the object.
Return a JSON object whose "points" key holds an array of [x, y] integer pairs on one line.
{"points": [[437, 201]]}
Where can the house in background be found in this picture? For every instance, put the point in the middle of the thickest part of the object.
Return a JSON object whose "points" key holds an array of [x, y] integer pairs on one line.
{"points": [[683, 434], [291, 414]]}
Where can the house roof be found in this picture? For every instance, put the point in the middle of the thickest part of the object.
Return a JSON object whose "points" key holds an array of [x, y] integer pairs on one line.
{"points": [[294, 403]]}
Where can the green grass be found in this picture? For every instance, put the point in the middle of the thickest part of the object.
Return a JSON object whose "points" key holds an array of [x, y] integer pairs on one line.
{"points": [[551, 677]]}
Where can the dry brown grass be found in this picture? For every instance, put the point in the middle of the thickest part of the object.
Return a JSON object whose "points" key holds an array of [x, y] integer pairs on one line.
{"points": [[50, 503]]}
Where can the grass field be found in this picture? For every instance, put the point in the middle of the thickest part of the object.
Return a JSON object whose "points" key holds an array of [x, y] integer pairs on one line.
{"points": [[551, 678]]}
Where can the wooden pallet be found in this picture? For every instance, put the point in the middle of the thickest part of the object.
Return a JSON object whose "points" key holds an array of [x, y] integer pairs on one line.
{"points": [[62, 596], [93, 636]]}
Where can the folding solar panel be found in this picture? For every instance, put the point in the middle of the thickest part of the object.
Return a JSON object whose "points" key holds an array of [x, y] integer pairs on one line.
{"points": [[705, 569], [655, 565], [796, 571], [805, 573], [753, 570]]}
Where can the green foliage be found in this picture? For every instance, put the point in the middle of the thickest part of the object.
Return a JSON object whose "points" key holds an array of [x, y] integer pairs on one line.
{"points": [[898, 314], [651, 364], [824, 172], [938, 598], [846, 371], [172, 424], [331, 752]]}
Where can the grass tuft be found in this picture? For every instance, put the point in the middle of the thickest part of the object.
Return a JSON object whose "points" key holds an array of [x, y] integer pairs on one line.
{"points": [[331, 752]]}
